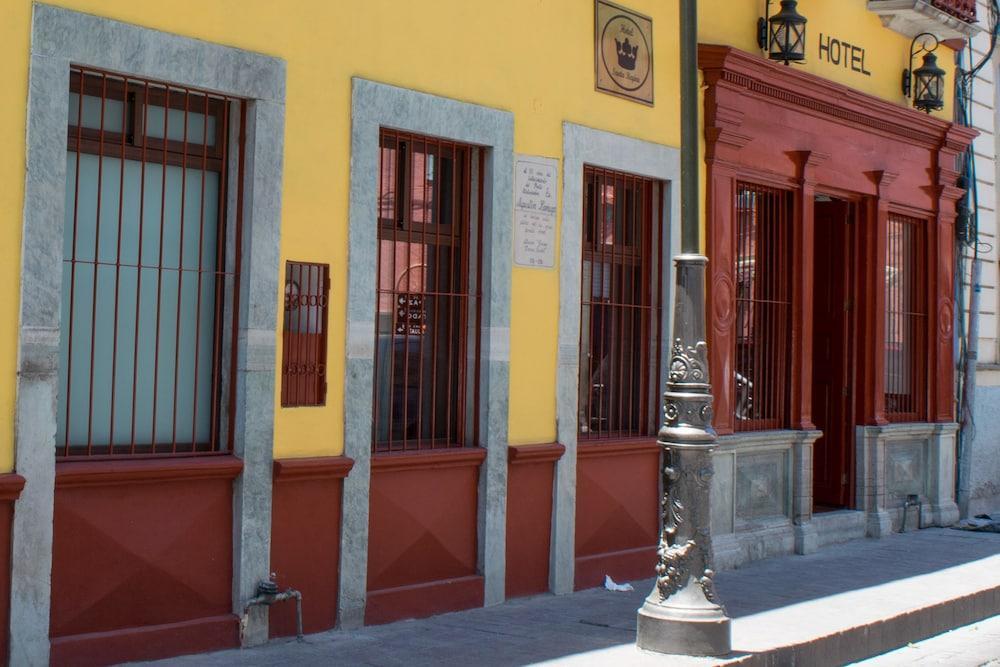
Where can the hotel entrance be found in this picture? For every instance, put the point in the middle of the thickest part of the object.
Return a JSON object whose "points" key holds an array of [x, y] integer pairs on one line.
{"points": [[834, 309], [830, 303]]}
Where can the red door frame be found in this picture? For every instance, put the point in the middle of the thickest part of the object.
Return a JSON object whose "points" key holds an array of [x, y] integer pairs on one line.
{"points": [[768, 123]]}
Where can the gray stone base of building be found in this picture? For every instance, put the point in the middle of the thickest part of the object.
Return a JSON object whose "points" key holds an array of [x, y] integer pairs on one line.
{"points": [[762, 501], [897, 462]]}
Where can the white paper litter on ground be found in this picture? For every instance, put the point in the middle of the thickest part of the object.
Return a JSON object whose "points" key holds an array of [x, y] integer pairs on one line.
{"points": [[610, 584]]}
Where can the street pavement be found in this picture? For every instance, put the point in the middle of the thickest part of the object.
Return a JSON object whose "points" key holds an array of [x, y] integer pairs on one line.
{"points": [[773, 603]]}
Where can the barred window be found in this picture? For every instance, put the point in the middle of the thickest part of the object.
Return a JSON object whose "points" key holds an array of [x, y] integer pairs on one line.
{"points": [[905, 320], [303, 368], [428, 306], [620, 308], [763, 307], [147, 279]]}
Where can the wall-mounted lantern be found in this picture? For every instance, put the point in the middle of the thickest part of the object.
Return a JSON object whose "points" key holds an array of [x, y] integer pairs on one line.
{"points": [[925, 85], [783, 35]]}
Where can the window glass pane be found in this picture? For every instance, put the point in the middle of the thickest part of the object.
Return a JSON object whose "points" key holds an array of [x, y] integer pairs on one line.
{"points": [[175, 122], [91, 112], [141, 310]]}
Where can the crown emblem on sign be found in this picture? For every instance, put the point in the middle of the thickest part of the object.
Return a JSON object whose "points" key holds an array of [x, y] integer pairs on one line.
{"points": [[626, 53]]}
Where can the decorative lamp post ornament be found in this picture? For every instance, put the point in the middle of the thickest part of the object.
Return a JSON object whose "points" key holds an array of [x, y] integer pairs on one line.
{"points": [[926, 83], [682, 614], [783, 35]]}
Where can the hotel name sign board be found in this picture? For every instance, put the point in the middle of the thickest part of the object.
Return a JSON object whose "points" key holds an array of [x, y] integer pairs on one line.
{"points": [[841, 53], [623, 52]]}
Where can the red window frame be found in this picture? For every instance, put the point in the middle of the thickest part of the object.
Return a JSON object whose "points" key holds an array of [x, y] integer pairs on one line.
{"points": [[304, 334], [620, 306], [133, 142], [763, 325], [426, 358], [905, 345]]}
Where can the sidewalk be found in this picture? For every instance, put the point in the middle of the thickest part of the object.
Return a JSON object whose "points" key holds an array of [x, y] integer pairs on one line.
{"points": [[808, 609], [973, 645]]}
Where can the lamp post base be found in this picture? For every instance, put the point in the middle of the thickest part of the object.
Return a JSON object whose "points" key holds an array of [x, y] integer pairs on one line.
{"points": [[679, 628]]}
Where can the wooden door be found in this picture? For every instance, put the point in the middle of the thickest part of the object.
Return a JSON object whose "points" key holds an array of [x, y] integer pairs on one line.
{"points": [[833, 353]]}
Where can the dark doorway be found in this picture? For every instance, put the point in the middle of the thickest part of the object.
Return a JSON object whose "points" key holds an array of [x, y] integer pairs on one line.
{"points": [[834, 352]]}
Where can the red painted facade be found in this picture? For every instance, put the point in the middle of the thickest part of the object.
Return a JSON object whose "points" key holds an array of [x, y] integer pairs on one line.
{"points": [[530, 478], [769, 124], [422, 549], [617, 510], [10, 491], [305, 540], [142, 559]]}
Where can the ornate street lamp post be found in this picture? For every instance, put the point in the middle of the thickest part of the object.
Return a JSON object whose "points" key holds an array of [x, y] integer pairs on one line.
{"points": [[682, 614]]}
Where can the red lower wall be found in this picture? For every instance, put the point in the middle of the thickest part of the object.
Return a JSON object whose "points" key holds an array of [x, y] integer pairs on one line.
{"points": [[422, 549], [305, 540], [10, 491], [529, 517], [617, 510], [142, 559]]}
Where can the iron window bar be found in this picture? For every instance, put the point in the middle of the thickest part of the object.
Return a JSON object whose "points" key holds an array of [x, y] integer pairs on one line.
{"points": [[304, 334], [430, 227], [148, 281], [905, 320], [620, 306], [763, 307]]}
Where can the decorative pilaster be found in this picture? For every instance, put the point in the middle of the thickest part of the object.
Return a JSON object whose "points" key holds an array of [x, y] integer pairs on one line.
{"points": [[682, 614], [723, 143], [941, 290], [806, 163], [872, 368]]}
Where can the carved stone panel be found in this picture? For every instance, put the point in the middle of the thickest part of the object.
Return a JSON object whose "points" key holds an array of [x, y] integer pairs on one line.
{"points": [[761, 486], [906, 469]]}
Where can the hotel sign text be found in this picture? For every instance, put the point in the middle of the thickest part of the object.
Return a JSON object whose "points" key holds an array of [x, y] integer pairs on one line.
{"points": [[843, 54]]}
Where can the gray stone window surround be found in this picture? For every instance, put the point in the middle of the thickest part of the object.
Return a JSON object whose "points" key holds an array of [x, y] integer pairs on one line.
{"points": [[59, 38], [586, 146], [374, 106]]}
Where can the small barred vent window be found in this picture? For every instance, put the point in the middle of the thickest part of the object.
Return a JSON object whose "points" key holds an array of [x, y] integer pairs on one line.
{"points": [[303, 369]]}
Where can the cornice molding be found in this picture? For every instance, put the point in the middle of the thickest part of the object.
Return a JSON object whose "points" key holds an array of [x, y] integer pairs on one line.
{"points": [[324, 467], [747, 74]]}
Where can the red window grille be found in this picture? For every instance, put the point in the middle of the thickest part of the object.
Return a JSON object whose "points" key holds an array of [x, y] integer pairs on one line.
{"points": [[428, 306], [303, 368], [905, 320], [763, 307], [963, 9], [149, 274], [620, 307]]}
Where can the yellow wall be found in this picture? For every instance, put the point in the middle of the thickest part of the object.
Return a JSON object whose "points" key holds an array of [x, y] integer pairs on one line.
{"points": [[532, 57]]}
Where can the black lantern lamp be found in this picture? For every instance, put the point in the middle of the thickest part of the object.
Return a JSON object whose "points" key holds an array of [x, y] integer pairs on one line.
{"points": [[783, 35], [926, 83]]}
